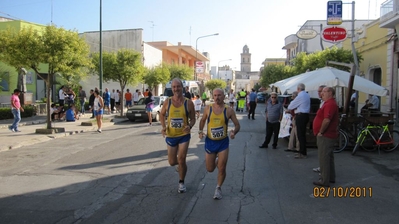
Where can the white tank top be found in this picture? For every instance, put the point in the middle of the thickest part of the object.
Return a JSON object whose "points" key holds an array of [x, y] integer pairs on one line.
{"points": [[96, 103]]}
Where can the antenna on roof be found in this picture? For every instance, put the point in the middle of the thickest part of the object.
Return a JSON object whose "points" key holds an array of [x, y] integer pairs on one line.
{"points": [[152, 27]]}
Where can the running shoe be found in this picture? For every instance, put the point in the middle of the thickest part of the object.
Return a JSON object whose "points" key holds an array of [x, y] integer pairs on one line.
{"points": [[317, 169], [12, 130], [99, 130], [182, 188], [218, 194]]}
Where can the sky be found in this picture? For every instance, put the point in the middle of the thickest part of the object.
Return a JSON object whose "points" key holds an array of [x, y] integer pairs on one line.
{"points": [[262, 25]]}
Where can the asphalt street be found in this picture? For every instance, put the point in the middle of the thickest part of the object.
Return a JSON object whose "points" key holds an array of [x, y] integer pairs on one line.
{"points": [[122, 176]]}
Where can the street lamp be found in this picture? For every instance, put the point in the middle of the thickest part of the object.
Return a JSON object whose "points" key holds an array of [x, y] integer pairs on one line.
{"points": [[219, 66], [196, 52]]}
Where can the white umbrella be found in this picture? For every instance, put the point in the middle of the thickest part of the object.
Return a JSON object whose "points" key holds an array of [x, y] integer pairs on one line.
{"points": [[331, 77]]}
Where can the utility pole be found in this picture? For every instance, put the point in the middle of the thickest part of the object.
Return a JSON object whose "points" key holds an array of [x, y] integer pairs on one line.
{"points": [[101, 51]]}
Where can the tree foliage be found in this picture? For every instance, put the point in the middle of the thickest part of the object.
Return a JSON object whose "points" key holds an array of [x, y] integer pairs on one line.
{"points": [[215, 83], [274, 73], [157, 75], [62, 51], [123, 66], [303, 62], [307, 62], [182, 72]]}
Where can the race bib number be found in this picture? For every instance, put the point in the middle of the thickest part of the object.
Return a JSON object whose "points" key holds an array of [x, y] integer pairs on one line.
{"points": [[217, 132], [176, 122]]}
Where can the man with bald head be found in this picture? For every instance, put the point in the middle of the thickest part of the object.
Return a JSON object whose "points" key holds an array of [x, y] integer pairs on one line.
{"points": [[181, 118], [217, 116]]}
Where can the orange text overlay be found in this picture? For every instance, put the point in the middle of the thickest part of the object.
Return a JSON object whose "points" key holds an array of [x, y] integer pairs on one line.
{"points": [[343, 192]]}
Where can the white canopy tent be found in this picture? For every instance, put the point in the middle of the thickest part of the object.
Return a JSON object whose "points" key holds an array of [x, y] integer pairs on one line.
{"points": [[330, 77]]}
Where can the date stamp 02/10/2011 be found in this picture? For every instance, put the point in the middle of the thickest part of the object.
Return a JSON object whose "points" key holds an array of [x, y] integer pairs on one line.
{"points": [[343, 192]]}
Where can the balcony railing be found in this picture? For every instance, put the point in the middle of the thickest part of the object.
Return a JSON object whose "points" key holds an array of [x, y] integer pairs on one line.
{"points": [[388, 9]]}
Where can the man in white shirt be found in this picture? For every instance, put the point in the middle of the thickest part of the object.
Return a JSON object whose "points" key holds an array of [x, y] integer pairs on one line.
{"points": [[374, 102], [301, 105], [136, 97], [113, 101]]}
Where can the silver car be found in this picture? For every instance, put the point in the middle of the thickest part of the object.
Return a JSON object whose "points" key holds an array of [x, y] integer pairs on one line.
{"points": [[137, 112]]}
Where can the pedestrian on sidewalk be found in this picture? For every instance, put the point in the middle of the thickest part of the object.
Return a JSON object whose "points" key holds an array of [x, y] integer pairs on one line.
{"points": [[253, 100], [217, 117], [118, 97], [61, 96], [107, 100], [301, 106], [98, 109], [325, 127], [113, 101], [91, 102], [181, 118], [82, 99], [293, 143], [203, 98], [149, 105], [274, 114], [16, 110], [197, 105]]}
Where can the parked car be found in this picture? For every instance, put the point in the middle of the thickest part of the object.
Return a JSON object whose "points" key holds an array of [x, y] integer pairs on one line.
{"points": [[137, 112], [262, 97]]}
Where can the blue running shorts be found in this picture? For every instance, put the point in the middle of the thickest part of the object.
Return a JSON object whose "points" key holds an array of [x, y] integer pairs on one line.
{"points": [[96, 112], [216, 146], [177, 140]]}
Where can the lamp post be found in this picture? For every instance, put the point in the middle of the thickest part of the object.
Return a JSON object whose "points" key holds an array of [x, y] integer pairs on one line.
{"points": [[101, 51], [196, 53], [219, 66]]}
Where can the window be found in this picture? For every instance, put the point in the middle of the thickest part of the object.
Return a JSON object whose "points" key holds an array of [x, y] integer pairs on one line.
{"points": [[4, 83]]}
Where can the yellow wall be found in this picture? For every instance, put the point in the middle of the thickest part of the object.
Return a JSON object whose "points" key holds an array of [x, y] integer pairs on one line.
{"points": [[373, 48]]}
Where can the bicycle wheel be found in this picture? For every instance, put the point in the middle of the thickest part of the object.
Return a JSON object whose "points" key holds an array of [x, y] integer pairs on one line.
{"points": [[368, 143], [342, 141], [394, 145]]}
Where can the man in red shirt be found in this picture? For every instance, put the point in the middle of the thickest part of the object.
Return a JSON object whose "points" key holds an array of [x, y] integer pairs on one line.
{"points": [[325, 127], [16, 110]]}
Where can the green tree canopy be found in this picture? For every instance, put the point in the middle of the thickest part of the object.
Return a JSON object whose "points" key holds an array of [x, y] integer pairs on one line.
{"points": [[123, 66], [303, 62], [307, 62], [63, 51], [215, 83], [157, 75], [274, 73], [182, 72]]}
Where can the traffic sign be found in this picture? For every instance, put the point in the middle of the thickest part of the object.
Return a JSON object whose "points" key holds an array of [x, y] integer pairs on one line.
{"points": [[199, 67], [334, 34], [334, 12]]}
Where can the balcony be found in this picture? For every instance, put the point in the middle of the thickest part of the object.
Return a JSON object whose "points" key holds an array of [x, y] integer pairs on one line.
{"points": [[389, 14], [290, 41]]}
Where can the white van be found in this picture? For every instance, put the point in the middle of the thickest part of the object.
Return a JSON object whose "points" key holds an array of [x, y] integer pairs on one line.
{"points": [[192, 86]]}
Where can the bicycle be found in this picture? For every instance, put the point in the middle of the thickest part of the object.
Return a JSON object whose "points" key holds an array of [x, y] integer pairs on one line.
{"points": [[377, 136]]}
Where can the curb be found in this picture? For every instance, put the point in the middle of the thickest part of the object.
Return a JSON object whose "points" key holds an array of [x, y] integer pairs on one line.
{"points": [[42, 138]]}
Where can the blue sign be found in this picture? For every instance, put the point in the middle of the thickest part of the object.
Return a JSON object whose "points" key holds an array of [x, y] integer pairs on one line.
{"points": [[334, 12]]}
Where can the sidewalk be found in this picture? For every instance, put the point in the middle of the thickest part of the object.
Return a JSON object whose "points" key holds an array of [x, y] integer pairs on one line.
{"points": [[27, 136]]}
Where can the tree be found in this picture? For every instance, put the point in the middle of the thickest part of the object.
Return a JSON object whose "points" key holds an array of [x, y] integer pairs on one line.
{"points": [[215, 83], [303, 62], [157, 75], [123, 66], [60, 51], [182, 72], [274, 73]]}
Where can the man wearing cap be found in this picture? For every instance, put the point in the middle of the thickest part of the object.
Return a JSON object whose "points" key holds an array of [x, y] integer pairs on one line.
{"points": [[16, 110]]}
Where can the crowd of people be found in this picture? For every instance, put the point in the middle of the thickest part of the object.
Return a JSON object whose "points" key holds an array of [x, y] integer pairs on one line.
{"points": [[325, 127]]}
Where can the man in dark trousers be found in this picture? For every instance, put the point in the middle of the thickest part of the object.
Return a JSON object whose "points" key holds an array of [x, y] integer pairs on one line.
{"points": [[274, 113], [253, 99], [325, 127], [91, 102], [301, 107]]}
